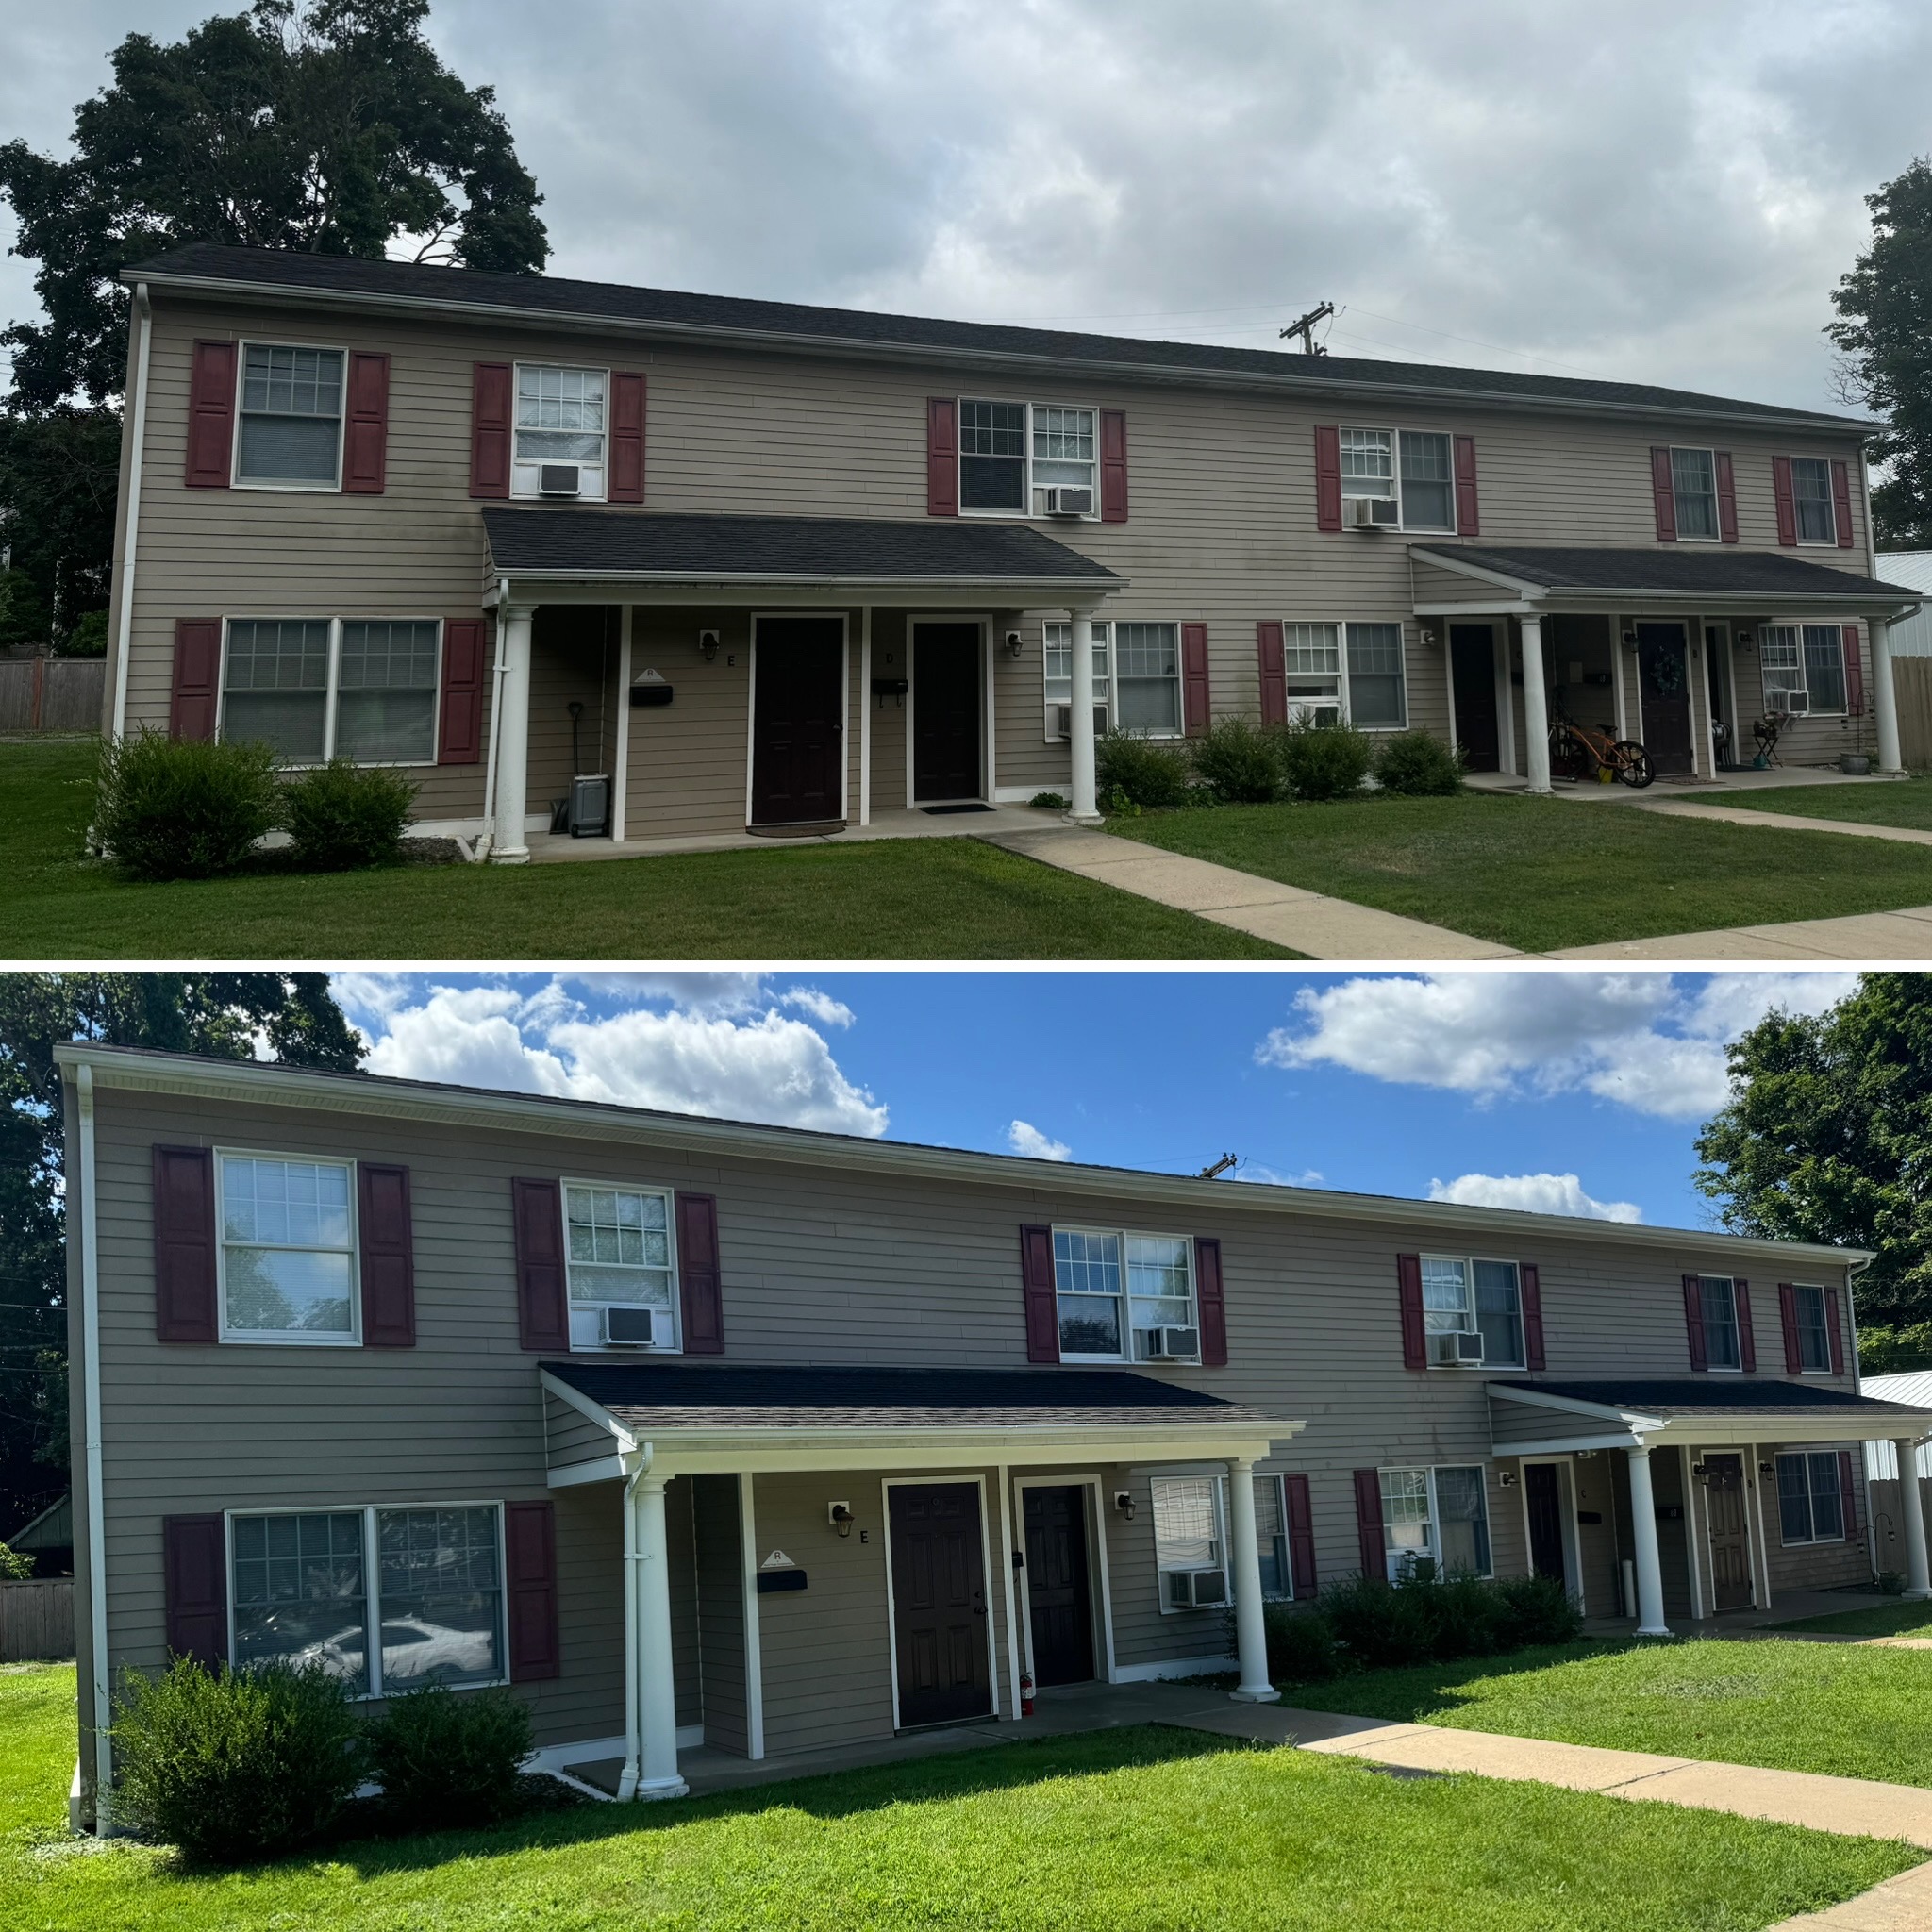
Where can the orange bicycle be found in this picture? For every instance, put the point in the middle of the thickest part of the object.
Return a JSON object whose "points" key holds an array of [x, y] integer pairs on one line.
{"points": [[1577, 752]]}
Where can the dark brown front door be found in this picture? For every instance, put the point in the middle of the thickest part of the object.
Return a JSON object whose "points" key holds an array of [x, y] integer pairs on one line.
{"points": [[1061, 1616], [1543, 1493], [1472, 666], [945, 712], [1663, 683], [1731, 1540], [939, 1604], [796, 743]]}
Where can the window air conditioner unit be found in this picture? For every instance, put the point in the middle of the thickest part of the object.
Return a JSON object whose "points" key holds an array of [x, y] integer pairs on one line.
{"points": [[1197, 1589], [1314, 711], [1371, 512], [1071, 500], [1796, 702], [1459, 1348], [1063, 721], [629, 1328], [1171, 1344], [559, 479]]}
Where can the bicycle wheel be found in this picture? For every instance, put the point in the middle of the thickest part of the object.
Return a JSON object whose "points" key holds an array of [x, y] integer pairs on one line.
{"points": [[1636, 770], [1570, 757]]}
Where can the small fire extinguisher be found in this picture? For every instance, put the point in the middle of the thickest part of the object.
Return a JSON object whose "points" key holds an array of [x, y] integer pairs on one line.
{"points": [[1025, 1693]]}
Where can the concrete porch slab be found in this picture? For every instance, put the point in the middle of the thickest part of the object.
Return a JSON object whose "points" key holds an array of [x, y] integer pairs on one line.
{"points": [[553, 848]]}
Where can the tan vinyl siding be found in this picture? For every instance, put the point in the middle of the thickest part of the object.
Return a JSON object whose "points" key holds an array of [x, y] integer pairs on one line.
{"points": [[571, 1437], [587, 1701], [720, 1559]]}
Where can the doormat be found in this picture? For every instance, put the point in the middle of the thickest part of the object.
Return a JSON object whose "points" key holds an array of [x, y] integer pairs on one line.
{"points": [[814, 828], [947, 811]]}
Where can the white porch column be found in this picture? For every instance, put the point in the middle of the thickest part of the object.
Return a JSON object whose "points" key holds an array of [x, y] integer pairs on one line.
{"points": [[1917, 1584], [1251, 1633], [1884, 699], [657, 1774], [1536, 706], [1085, 812], [1650, 1574], [513, 733]]}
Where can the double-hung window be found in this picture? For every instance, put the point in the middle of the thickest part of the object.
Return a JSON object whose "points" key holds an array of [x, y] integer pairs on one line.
{"points": [[1059, 672], [620, 1256], [1124, 1297], [1810, 1498], [1814, 1330], [1807, 661], [288, 1249], [1439, 1517], [1271, 1530], [385, 1599], [1190, 1542], [1407, 475], [1332, 671], [1137, 676], [1463, 1296], [319, 687], [1693, 491], [1811, 500], [1716, 1298], [1012, 454], [291, 418], [559, 422]]}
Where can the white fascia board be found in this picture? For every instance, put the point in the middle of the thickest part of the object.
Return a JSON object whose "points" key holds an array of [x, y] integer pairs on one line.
{"points": [[653, 587], [1538, 1398], [595, 1411], [1501, 607], [602, 1469], [267, 1083], [1571, 1445]]}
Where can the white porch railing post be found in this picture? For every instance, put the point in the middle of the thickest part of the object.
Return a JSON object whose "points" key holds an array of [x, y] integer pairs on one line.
{"points": [[1080, 727], [1650, 1569], [510, 847], [658, 1774], [1536, 705], [1884, 696], [1917, 1584], [1251, 1629]]}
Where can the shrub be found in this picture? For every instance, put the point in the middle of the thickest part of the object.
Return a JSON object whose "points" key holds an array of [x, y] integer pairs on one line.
{"points": [[1301, 1645], [342, 815], [1379, 1626], [1141, 771], [1237, 762], [445, 1760], [1464, 1615], [1537, 1609], [1050, 801], [16, 1566], [1416, 764], [89, 637], [1322, 761], [242, 1765], [183, 807]]}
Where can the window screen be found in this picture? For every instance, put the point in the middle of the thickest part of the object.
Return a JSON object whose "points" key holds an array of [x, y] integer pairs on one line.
{"points": [[301, 1593], [1147, 664], [386, 701], [292, 412], [1811, 498], [1375, 675], [275, 685], [992, 456], [1693, 484], [1429, 490]]}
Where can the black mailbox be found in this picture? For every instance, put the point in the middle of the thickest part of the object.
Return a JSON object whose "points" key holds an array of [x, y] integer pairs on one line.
{"points": [[773, 1581], [890, 686], [652, 691]]}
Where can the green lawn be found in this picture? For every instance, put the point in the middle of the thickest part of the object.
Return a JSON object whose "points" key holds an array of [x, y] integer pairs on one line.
{"points": [[1885, 802], [1841, 1710], [1540, 873], [889, 899], [1128, 1828], [1885, 1620]]}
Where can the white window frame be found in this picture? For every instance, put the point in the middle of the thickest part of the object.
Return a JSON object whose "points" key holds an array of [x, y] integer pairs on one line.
{"points": [[1736, 1368], [1218, 1484], [1717, 515], [1286, 1594], [332, 691], [1798, 676], [1434, 1552], [236, 479], [572, 1304], [1805, 1455], [1468, 1264], [287, 1338], [1395, 432], [1031, 513], [1125, 1300], [1106, 681], [1804, 1287], [1829, 540], [530, 493], [1303, 706], [372, 1581]]}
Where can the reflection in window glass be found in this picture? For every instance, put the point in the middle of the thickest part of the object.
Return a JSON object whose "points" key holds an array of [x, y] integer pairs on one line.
{"points": [[1087, 1276], [275, 685], [286, 1246], [300, 1594], [440, 1591], [992, 456]]}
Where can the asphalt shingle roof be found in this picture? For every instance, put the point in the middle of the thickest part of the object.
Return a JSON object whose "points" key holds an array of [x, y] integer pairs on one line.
{"points": [[1742, 573], [1728, 1394]]}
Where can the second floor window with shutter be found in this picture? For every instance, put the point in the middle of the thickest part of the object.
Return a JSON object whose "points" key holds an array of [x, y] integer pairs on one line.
{"points": [[1461, 1296], [560, 427], [1814, 1330], [619, 1256], [1406, 474], [1011, 455], [1124, 1297], [1719, 1302], [1811, 500], [287, 1250], [1694, 488], [292, 417]]}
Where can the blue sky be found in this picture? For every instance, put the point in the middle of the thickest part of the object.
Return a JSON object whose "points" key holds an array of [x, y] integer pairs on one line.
{"points": [[1566, 1091]]}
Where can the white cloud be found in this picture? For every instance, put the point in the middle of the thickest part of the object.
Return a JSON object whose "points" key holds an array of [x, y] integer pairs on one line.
{"points": [[821, 1005], [1273, 1177], [698, 992], [467, 1037], [1534, 1193], [1646, 1041], [1023, 1138]]}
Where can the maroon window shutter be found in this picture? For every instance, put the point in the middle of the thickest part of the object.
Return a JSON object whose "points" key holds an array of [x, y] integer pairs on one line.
{"points": [[1663, 496], [1113, 466], [1838, 1341], [542, 1312], [459, 728], [490, 387], [529, 1549], [1848, 1492], [1531, 1282], [941, 457], [194, 1587], [1854, 673], [195, 701], [1469, 521], [1747, 1342], [1268, 652], [1787, 1317], [211, 415], [1194, 677], [365, 436], [1301, 1536], [389, 1258], [700, 1284], [1726, 498], [184, 1212], [1786, 501], [1368, 1523], [1210, 1303], [1327, 476], [1693, 1322], [1042, 1305], [1842, 502], [626, 481], [1409, 1294]]}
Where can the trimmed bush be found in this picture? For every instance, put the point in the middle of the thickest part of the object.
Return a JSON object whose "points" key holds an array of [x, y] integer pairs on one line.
{"points": [[235, 1766], [1417, 764], [1379, 1626], [445, 1759], [183, 807], [1536, 1610], [1237, 762], [16, 1566], [1322, 761], [1301, 1645], [342, 816], [1465, 1615], [1141, 771]]}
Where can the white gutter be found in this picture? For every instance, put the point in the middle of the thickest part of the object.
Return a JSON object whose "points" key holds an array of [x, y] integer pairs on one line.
{"points": [[137, 402], [486, 836], [96, 1501]]}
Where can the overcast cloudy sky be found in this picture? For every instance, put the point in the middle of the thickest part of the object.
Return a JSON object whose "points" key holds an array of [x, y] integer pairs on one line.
{"points": [[1662, 189]]}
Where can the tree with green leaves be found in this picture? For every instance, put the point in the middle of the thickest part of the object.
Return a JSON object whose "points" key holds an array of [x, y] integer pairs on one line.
{"points": [[1884, 337], [242, 1016], [58, 473], [1827, 1137]]}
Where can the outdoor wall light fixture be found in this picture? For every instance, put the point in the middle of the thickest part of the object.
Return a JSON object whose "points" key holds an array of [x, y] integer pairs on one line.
{"points": [[708, 643], [1015, 643], [1124, 1501], [1430, 638], [1744, 640], [839, 1516], [1629, 640], [1506, 1480]]}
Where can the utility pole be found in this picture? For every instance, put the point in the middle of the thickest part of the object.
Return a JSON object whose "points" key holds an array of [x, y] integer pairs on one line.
{"points": [[1305, 328], [1220, 1167]]}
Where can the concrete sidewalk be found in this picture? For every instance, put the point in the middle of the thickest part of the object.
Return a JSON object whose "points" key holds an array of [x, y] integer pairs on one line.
{"points": [[1788, 821], [1903, 935]]}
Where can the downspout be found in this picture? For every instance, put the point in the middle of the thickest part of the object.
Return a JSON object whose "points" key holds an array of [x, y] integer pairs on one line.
{"points": [[633, 1689], [143, 335], [98, 1542], [486, 836], [1853, 1270]]}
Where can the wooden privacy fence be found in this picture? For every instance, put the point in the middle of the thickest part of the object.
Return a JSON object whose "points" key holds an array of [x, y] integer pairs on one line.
{"points": [[1912, 683], [35, 1619], [52, 693]]}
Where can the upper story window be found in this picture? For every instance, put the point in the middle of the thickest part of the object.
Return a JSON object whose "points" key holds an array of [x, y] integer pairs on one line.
{"points": [[1012, 454], [1137, 675], [622, 1271], [318, 688], [287, 1263], [1124, 1297], [291, 418], [1811, 500], [1814, 1330], [1693, 490], [560, 428], [1463, 1297], [1440, 1517], [1408, 476], [1718, 1302], [1810, 1498], [1345, 670], [1805, 662]]}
